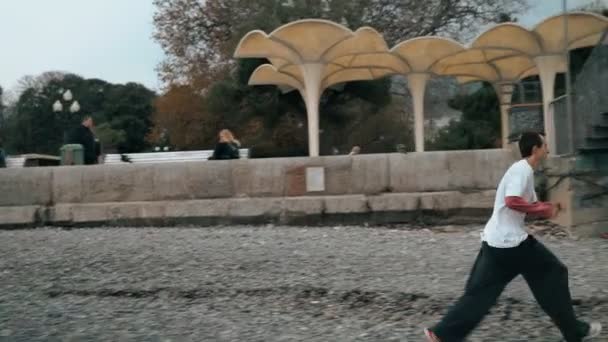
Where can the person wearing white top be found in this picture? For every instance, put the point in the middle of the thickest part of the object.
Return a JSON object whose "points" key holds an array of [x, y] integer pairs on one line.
{"points": [[506, 227], [508, 250]]}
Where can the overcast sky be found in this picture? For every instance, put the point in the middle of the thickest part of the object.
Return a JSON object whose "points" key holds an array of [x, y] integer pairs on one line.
{"points": [[108, 39]]}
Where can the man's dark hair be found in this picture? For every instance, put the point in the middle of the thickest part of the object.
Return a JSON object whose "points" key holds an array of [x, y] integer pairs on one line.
{"points": [[527, 141], [86, 117]]}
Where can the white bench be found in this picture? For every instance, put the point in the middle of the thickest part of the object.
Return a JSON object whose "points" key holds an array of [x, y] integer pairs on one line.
{"points": [[15, 162], [31, 160], [164, 157]]}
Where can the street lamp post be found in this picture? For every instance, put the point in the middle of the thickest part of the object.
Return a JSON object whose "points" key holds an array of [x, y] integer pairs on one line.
{"points": [[58, 107]]}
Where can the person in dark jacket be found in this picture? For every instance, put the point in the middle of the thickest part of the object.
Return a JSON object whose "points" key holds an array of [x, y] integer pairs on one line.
{"points": [[227, 147], [2, 156], [84, 136]]}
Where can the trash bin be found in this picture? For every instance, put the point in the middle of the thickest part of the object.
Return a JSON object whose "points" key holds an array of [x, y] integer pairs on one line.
{"points": [[72, 154]]}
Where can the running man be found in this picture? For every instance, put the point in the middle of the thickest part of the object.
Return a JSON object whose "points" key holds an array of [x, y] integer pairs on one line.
{"points": [[507, 251]]}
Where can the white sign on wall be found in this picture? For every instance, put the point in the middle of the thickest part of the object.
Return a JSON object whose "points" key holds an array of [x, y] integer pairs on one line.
{"points": [[315, 179]]}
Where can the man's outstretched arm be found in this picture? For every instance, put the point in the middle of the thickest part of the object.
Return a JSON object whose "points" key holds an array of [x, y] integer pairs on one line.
{"points": [[538, 209]]}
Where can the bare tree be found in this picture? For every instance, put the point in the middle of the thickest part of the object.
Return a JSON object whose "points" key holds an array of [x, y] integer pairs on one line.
{"points": [[36, 82], [198, 36], [597, 6]]}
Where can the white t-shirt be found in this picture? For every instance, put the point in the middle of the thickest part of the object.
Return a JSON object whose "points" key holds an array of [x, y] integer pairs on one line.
{"points": [[506, 227]]}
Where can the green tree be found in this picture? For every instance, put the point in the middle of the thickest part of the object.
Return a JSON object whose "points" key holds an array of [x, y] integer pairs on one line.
{"points": [[109, 136], [479, 126], [121, 112], [597, 6], [274, 124], [199, 39], [2, 106], [129, 108], [1, 103], [3, 122], [33, 126]]}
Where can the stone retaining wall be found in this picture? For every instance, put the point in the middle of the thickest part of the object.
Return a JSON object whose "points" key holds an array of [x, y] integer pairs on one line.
{"points": [[279, 189]]}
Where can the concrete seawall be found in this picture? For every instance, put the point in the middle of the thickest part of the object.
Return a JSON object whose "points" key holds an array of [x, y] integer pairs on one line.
{"points": [[374, 188]]}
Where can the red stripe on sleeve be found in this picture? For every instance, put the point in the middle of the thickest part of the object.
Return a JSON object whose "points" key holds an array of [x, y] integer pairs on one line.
{"points": [[540, 209]]}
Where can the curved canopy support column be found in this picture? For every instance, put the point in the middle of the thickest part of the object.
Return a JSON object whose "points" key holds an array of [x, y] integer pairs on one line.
{"points": [[417, 85], [312, 96], [548, 67], [504, 91]]}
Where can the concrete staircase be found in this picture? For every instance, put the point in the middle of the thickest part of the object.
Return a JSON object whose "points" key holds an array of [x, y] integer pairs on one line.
{"points": [[596, 140], [591, 98]]}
